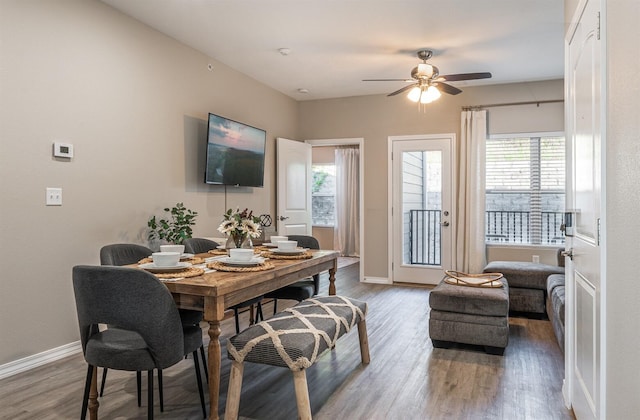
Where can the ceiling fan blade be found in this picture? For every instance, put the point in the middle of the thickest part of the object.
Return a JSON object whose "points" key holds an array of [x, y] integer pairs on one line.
{"points": [[388, 80], [466, 76], [451, 90], [404, 89]]}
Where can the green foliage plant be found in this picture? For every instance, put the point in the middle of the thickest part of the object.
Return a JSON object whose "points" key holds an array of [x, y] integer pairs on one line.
{"points": [[175, 229]]}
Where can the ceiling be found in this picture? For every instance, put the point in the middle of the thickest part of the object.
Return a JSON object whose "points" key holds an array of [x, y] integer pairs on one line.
{"points": [[334, 44]]}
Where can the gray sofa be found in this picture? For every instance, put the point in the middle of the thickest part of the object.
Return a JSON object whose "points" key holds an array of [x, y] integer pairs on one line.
{"points": [[555, 306], [535, 288]]}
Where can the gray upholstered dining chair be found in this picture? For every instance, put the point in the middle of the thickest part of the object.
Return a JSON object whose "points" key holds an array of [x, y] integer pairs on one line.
{"points": [[303, 289], [149, 335], [199, 245], [125, 254], [202, 245]]}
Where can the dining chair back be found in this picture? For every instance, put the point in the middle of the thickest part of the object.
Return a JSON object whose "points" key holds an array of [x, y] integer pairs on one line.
{"points": [[303, 289], [123, 254], [149, 334], [310, 242], [199, 245]]}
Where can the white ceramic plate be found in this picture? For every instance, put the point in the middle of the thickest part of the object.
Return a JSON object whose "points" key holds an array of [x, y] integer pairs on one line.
{"points": [[296, 251], [270, 245], [152, 267], [234, 263], [221, 247], [186, 256]]}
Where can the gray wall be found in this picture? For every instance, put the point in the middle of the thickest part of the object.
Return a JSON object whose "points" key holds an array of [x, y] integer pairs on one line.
{"points": [[134, 103], [377, 117]]}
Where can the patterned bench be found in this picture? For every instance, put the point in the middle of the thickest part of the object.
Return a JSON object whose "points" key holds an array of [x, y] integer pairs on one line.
{"points": [[295, 338]]}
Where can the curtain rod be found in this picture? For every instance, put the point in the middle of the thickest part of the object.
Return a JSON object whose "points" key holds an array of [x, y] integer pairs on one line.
{"points": [[549, 101]]}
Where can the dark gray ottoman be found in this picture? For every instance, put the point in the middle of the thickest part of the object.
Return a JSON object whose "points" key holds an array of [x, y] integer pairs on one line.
{"points": [[527, 283], [470, 315]]}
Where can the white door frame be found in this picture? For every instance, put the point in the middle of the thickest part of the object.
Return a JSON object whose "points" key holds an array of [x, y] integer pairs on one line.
{"points": [[359, 141], [453, 176]]}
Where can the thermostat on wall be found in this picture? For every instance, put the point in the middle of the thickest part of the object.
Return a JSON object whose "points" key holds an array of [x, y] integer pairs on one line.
{"points": [[64, 150]]}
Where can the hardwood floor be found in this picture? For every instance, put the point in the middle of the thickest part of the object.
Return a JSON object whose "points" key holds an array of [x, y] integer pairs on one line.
{"points": [[407, 378]]}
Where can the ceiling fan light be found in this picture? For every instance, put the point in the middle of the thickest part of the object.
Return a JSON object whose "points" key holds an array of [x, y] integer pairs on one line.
{"points": [[431, 94], [414, 94], [425, 70]]}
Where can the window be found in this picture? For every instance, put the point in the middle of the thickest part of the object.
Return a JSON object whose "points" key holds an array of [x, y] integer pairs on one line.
{"points": [[525, 189], [323, 194]]}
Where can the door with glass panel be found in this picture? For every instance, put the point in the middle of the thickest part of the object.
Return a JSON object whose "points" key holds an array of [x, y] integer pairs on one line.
{"points": [[421, 208]]}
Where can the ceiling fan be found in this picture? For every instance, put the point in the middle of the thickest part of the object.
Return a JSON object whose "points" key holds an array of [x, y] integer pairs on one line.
{"points": [[427, 83]]}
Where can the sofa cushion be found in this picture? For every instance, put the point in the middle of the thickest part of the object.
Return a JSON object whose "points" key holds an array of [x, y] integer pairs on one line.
{"points": [[557, 303], [554, 281], [480, 330], [526, 275], [526, 300]]}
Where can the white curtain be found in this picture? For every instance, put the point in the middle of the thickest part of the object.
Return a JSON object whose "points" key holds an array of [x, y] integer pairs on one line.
{"points": [[346, 231], [470, 241]]}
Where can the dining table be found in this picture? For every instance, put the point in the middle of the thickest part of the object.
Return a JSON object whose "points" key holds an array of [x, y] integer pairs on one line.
{"points": [[218, 288]]}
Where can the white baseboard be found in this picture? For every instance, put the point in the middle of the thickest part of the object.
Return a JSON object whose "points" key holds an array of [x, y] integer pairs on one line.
{"points": [[376, 280], [565, 394], [30, 362]]}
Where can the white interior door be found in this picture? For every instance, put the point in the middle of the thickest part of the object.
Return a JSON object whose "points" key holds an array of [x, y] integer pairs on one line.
{"points": [[421, 209], [583, 358], [294, 187]]}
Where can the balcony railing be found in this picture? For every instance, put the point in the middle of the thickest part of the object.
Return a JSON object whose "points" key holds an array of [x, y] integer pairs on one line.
{"points": [[424, 237], [513, 227], [522, 227]]}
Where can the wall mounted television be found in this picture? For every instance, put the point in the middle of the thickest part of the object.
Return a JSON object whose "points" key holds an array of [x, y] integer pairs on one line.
{"points": [[235, 153]]}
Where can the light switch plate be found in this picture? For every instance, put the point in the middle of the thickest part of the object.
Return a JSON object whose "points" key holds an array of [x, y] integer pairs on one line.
{"points": [[54, 197]]}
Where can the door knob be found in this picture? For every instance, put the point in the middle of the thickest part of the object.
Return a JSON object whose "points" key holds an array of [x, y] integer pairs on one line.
{"points": [[567, 253], [445, 224], [281, 218]]}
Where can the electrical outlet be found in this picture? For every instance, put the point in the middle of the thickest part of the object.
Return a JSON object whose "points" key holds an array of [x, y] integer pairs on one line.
{"points": [[536, 258], [54, 197]]}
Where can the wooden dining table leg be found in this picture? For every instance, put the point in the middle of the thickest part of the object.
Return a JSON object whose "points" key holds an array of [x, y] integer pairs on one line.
{"points": [[214, 362], [332, 277], [214, 313]]}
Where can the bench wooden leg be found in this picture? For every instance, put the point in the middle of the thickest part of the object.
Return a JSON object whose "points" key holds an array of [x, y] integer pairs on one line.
{"points": [[235, 387], [364, 342], [302, 394]]}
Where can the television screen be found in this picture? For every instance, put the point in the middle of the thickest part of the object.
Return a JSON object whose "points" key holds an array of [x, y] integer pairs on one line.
{"points": [[235, 153]]}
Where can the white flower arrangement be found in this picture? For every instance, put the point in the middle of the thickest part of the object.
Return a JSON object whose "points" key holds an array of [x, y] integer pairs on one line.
{"points": [[240, 225]]}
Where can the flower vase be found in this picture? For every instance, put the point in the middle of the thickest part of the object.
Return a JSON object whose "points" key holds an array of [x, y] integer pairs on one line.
{"points": [[239, 241]]}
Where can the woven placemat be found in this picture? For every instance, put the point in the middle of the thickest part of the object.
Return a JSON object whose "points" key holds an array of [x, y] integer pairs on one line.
{"points": [[187, 272], [194, 260], [220, 266], [260, 248], [217, 251], [304, 256]]}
